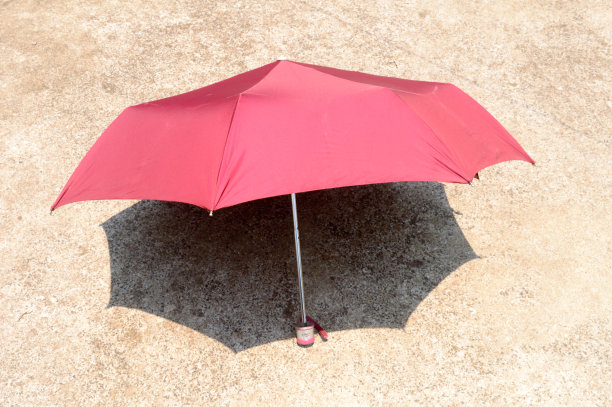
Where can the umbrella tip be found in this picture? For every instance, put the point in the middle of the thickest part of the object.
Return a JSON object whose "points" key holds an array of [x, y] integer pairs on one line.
{"points": [[282, 59], [210, 213]]}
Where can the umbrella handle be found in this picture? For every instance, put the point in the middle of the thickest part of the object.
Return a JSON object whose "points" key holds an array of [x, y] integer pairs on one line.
{"points": [[318, 328]]}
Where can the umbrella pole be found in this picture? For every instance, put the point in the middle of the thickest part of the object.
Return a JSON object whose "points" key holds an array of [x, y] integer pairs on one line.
{"points": [[299, 258]]}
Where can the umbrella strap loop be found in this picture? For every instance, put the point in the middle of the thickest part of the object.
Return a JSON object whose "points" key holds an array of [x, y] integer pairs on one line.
{"points": [[318, 328]]}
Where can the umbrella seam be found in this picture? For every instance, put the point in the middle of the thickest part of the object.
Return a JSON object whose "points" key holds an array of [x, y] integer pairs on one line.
{"points": [[449, 154], [515, 146], [215, 198], [59, 198], [229, 129], [335, 75]]}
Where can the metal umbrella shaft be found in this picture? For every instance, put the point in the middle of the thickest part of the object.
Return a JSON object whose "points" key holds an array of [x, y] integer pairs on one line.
{"points": [[298, 257]]}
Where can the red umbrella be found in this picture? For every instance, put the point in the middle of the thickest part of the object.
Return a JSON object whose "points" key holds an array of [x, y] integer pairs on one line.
{"points": [[285, 128]]}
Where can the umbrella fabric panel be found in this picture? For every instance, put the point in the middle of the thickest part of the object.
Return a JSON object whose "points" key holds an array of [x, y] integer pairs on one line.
{"points": [[216, 92], [151, 152], [406, 85], [476, 139]]}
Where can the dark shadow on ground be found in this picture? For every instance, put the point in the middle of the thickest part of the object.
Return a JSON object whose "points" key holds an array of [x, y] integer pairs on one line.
{"points": [[371, 254]]}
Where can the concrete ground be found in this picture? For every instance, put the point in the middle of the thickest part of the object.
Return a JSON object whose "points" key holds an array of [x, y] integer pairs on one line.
{"points": [[495, 294]]}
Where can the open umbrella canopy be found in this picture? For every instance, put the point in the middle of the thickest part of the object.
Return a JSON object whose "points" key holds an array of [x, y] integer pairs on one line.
{"points": [[290, 127]]}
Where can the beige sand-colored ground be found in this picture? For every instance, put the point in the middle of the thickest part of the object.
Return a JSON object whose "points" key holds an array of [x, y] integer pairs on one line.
{"points": [[495, 294]]}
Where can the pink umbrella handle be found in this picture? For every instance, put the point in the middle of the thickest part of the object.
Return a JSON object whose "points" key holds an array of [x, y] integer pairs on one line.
{"points": [[318, 328]]}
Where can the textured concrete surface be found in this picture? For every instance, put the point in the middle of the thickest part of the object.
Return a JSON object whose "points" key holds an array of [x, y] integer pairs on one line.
{"points": [[495, 294]]}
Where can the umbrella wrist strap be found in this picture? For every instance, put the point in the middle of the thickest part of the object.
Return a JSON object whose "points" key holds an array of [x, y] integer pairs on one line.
{"points": [[317, 327]]}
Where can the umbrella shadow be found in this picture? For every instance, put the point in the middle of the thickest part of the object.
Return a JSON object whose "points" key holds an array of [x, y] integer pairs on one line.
{"points": [[370, 254]]}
